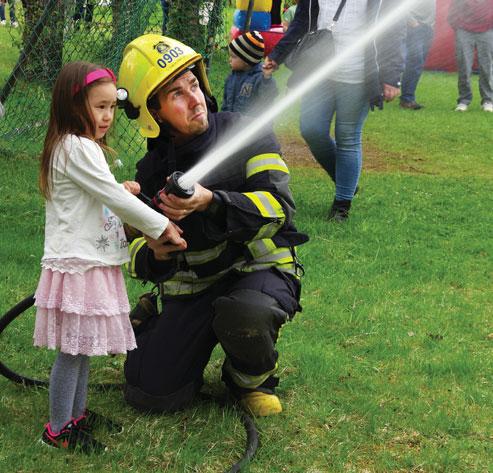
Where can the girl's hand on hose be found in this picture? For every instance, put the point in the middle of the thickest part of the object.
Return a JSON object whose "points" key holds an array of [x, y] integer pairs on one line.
{"points": [[169, 242], [132, 187]]}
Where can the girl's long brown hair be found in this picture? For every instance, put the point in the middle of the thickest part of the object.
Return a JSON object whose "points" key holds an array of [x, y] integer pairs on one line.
{"points": [[69, 114]]}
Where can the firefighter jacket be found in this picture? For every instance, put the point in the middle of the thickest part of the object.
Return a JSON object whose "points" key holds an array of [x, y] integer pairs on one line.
{"points": [[249, 225]]}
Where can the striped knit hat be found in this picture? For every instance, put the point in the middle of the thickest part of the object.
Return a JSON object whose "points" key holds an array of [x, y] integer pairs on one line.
{"points": [[249, 47]]}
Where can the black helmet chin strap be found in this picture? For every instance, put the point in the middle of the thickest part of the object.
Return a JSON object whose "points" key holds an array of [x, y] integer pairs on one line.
{"points": [[171, 157], [122, 102], [211, 103], [130, 111], [164, 146]]}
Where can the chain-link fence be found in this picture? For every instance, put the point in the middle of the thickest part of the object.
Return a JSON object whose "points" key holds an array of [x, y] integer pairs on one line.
{"points": [[55, 32]]}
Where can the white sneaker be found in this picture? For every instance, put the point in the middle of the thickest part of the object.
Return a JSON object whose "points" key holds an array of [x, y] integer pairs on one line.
{"points": [[3, 22], [15, 24], [487, 107], [461, 107]]}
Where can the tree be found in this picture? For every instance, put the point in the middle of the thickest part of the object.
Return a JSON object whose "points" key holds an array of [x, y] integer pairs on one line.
{"points": [[45, 41], [184, 23]]}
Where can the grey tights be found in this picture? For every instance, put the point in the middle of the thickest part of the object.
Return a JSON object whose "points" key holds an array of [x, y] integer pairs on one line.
{"points": [[68, 389]]}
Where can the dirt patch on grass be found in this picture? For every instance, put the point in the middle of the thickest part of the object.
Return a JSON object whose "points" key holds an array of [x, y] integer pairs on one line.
{"points": [[380, 160], [297, 154]]}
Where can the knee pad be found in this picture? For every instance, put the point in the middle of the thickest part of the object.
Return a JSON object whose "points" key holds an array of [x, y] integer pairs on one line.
{"points": [[247, 313], [246, 323]]}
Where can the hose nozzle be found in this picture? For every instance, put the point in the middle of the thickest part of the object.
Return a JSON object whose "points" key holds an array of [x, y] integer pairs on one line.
{"points": [[173, 187]]}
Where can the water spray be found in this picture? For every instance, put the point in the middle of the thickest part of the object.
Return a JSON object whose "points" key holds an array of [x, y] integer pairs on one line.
{"points": [[241, 137]]}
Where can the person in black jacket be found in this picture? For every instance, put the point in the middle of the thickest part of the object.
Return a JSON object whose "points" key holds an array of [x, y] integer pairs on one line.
{"points": [[238, 280], [369, 76]]}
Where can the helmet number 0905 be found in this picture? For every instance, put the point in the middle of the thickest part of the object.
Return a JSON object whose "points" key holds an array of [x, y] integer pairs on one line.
{"points": [[169, 57]]}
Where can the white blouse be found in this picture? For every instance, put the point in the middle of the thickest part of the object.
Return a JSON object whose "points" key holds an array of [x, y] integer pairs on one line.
{"points": [[84, 211], [352, 24]]}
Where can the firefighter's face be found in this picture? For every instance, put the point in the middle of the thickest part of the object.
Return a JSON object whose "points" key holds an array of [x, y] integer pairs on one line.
{"points": [[182, 105]]}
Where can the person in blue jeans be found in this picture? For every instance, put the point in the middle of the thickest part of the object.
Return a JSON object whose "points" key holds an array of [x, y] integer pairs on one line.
{"points": [[2, 12], [420, 26], [13, 19], [472, 21], [369, 76]]}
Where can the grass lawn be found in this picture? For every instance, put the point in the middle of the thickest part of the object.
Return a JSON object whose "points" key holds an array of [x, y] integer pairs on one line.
{"points": [[389, 366]]}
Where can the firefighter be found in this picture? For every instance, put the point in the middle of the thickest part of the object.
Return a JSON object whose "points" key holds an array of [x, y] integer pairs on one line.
{"points": [[238, 280]]}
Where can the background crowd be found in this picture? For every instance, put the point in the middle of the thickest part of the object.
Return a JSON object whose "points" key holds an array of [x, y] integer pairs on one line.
{"points": [[363, 80]]}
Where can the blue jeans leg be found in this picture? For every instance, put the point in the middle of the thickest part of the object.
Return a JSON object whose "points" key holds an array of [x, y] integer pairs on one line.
{"points": [[351, 112], [484, 44], [464, 50], [418, 43], [342, 157], [2, 12], [317, 111]]}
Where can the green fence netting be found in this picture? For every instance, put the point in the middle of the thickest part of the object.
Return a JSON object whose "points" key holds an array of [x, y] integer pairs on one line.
{"points": [[54, 32]]}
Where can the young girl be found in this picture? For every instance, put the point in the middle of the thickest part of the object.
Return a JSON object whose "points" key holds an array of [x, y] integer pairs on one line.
{"points": [[81, 301]]}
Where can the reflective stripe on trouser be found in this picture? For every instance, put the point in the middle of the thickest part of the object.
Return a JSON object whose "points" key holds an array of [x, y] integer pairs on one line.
{"points": [[243, 380]]}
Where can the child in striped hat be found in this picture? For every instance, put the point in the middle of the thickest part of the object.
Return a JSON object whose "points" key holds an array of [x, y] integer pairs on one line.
{"points": [[249, 88]]}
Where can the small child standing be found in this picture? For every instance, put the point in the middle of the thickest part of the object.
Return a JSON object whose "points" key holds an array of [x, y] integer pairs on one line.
{"points": [[249, 88], [81, 300]]}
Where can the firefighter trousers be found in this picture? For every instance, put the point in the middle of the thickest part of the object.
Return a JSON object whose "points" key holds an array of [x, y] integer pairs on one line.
{"points": [[243, 312]]}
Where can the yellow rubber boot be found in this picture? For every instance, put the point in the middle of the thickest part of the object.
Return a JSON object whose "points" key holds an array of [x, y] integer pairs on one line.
{"points": [[261, 404]]}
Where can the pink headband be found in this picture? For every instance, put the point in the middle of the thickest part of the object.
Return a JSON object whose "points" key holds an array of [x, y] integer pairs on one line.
{"points": [[94, 76]]}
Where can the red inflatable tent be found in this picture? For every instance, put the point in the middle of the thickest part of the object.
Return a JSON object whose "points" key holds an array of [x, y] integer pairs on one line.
{"points": [[442, 53]]}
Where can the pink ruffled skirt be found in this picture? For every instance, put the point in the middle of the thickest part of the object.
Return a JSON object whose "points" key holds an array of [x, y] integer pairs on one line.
{"points": [[83, 313]]}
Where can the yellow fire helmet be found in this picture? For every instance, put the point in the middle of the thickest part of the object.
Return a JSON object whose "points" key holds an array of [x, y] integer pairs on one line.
{"points": [[149, 62]]}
